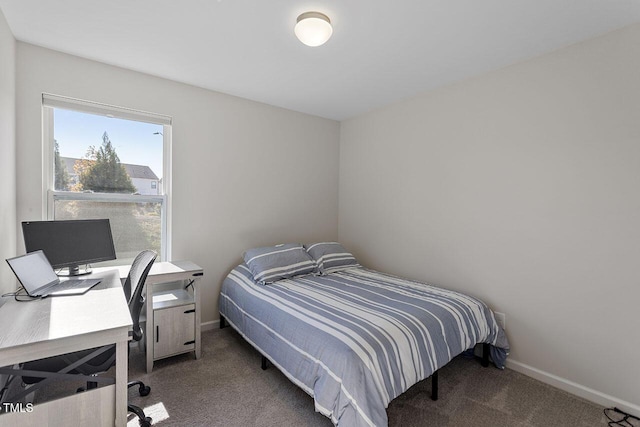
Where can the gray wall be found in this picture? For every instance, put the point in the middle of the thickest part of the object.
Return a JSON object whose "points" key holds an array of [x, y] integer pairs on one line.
{"points": [[244, 174], [7, 154], [521, 187]]}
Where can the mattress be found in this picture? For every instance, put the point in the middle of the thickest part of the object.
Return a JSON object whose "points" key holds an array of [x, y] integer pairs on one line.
{"points": [[357, 338]]}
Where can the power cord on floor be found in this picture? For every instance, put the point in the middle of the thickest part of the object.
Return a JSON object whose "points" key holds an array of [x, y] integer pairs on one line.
{"points": [[617, 417]]}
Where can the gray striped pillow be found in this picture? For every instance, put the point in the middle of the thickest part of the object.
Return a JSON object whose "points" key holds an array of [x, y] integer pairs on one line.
{"points": [[272, 263], [331, 257]]}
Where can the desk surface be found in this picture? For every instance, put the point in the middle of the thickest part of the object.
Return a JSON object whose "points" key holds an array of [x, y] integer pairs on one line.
{"points": [[160, 271], [39, 328], [64, 324]]}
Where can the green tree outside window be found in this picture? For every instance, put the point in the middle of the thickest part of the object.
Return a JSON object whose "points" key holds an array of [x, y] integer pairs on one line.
{"points": [[102, 172], [61, 174]]}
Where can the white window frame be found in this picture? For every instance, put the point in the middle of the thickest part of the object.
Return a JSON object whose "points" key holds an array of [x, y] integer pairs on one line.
{"points": [[50, 195]]}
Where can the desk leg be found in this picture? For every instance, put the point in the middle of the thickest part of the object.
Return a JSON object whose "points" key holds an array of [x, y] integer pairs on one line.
{"points": [[148, 348], [196, 297], [122, 359]]}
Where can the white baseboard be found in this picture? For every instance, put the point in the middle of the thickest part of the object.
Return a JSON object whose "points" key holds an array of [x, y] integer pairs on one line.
{"points": [[574, 388], [207, 326]]}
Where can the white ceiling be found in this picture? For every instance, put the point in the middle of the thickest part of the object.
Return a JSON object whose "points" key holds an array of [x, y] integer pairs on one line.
{"points": [[381, 51]]}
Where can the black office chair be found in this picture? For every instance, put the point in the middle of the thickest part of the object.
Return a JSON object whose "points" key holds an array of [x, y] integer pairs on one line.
{"points": [[86, 364]]}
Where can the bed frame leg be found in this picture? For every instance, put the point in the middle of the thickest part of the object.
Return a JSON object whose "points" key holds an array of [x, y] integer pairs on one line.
{"points": [[264, 363], [434, 386], [223, 322], [485, 354]]}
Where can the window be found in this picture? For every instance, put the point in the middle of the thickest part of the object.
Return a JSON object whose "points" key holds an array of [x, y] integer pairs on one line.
{"points": [[109, 162]]}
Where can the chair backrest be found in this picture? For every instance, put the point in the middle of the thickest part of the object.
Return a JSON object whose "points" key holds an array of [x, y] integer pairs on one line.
{"points": [[137, 276]]}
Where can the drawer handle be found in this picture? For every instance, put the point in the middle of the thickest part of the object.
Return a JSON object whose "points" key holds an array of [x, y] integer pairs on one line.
{"points": [[190, 311], [189, 342]]}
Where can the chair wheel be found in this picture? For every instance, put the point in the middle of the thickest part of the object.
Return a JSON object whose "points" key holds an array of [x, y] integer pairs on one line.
{"points": [[144, 390], [146, 422]]}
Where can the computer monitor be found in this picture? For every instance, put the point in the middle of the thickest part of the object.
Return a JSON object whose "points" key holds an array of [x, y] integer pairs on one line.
{"points": [[70, 244]]}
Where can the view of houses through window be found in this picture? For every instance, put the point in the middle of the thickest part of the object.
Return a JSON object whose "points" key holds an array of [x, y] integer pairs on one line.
{"points": [[109, 167], [82, 174]]}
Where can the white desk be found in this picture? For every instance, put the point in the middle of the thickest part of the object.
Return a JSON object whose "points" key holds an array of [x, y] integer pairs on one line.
{"points": [[164, 272], [57, 325]]}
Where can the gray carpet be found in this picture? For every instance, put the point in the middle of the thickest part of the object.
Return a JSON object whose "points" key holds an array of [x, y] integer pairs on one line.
{"points": [[226, 387]]}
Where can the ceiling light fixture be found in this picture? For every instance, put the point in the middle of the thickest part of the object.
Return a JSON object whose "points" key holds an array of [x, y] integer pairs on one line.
{"points": [[313, 28]]}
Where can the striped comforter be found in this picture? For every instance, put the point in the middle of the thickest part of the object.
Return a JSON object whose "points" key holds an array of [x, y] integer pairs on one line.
{"points": [[354, 339]]}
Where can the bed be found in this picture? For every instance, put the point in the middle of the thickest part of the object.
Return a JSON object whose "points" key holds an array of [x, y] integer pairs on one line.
{"points": [[351, 337]]}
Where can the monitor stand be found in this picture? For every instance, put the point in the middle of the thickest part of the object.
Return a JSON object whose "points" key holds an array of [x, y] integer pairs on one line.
{"points": [[75, 270]]}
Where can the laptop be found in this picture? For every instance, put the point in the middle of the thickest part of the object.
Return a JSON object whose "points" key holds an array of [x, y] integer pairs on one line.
{"points": [[35, 274]]}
